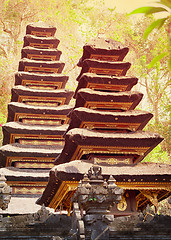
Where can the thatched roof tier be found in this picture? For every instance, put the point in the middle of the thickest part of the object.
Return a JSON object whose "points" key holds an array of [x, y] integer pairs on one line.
{"points": [[107, 148], [28, 65], [45, 97], [40, 54], [111, 101], [40, 29], [21, 112], [106, 83], [132, 120], [103, 49], [20, 132], [11, 154], [104, 68], [40, 42], [41, 80]]}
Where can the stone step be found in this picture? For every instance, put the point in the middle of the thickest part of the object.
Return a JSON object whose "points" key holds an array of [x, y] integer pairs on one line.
{"points": [[104, 68], [41, 80], [40, 54], [107, 148], [40, 29], [33, 134], [105, 121], [105, 83], [103, 49], [107, 101], [41, 97], [38, 114], [28, 65], [40, 42], [28, 156]]}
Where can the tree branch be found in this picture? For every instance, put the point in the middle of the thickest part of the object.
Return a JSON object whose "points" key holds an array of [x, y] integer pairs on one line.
{"points": [[4, 51]]}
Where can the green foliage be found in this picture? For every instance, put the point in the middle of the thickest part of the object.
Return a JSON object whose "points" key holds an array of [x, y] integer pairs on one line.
{"points": [[157, 24], [148, 10], [158, 155]]}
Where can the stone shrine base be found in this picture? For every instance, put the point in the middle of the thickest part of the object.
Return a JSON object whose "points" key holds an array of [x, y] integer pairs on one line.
{"points": [[45, 225]]}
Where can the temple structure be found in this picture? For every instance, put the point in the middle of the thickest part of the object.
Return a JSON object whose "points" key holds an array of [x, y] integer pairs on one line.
{"points": [[106, 130], [37, 117], [103, 128]]}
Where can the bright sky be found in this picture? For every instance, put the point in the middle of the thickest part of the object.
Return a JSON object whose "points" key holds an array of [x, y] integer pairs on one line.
{"points": [[128, 5]]}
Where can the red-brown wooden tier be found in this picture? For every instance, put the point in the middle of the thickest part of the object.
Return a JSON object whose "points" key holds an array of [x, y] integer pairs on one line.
{"points": [[16, 154], [24, 183], [28, 65], [111, 101], [40, 29], [107, 148], [38, 114], [41, 80], [40, 54], [105, 83], [46, 97], [40, 42], [33, 134], [104, 68], [103, 49], [106, 121]]}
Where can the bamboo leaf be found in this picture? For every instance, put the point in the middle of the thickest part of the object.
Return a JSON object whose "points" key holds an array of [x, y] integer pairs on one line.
{"points": [[156, 59], [167, 3], [148, 10], [156, 24]]}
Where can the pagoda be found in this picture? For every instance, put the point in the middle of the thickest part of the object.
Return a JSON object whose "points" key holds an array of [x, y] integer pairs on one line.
{"points": [[106, 130], [37, 115]]}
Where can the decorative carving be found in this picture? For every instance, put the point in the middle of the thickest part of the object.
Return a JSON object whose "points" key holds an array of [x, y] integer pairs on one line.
{"points": [[95, 196], [5, 193]]}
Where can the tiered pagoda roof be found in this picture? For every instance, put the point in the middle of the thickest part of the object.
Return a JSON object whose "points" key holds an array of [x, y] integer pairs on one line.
{"points": [[105, 130], [107, 121], [37, 113]]}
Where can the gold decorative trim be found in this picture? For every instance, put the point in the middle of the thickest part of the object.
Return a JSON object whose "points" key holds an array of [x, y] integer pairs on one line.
{"points": [[108, 105], [42, 83], [41, 117], [122, 205], [81, 150], [41, 45], [112, 161], [112, 58], [40, 69], [41, 56], [30, 137], [109, 125], [10, 160], [33, 165], [143, 185], [41, 34], [106, 71], [108, 87], [43, 100], [64, 188]]}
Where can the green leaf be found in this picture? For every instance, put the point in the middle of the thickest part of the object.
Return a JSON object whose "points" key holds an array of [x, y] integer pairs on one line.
{"points": [[156, 59], [156, 24], [148, 10], [167, 3], [169, 63]]}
